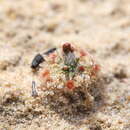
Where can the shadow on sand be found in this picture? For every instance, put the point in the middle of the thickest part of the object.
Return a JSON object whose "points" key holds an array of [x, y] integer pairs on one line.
{"points": [[74, 111]]}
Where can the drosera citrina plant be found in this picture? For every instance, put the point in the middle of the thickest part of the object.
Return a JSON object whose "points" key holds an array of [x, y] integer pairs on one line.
{"points": [[66, 70]]}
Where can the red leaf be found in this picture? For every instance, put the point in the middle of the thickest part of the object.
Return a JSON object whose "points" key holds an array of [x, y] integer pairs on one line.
{"points": [[67, 48], [82, 53], [70, 84], [81, 68], [96, 67], [46, 73]]}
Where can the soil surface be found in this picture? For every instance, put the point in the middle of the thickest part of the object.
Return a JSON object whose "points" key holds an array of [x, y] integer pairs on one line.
{"points": [[28, 27]]}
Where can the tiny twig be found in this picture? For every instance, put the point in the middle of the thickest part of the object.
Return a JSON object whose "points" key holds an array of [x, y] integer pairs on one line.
{"points": [[34, 91]]}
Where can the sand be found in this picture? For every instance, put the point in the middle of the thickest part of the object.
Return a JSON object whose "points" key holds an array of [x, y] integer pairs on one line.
{"points": [[28, 27]]}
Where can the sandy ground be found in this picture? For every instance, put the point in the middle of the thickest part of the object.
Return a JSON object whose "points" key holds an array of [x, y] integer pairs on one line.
{"points": [[28, 27]]}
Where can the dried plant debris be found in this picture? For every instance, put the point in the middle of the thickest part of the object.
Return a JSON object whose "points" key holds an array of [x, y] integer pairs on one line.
{"points": [[67, 75], [120, 72], [95, 126]]}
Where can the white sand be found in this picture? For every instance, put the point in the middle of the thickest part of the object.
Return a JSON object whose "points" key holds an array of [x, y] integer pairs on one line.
{"points": [[28, 27]]}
